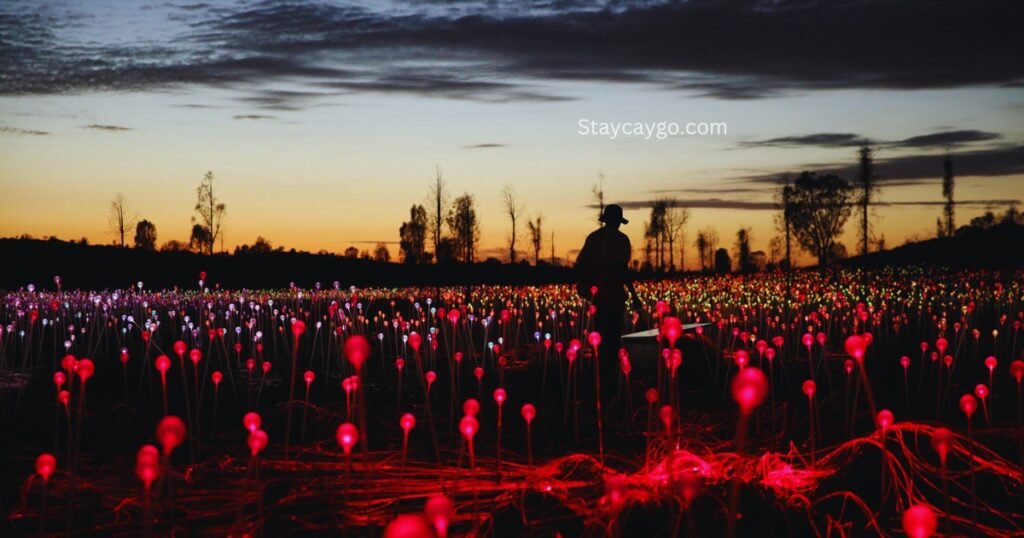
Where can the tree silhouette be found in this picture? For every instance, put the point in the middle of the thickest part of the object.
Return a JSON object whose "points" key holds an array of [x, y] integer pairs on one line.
{"points": [[676, 217], [656, 232], [948, 182], [465, 227], [513, 209], [413, 236], [820, 206], [120, 221], [381, 253], [209, 211], [707, 240], [145, 235], [438, 209], [701, 243], [200, 239], [536, 236], [722, 262], [598, 192], [743, 260], [351, 252], [784, 219], [866, 180]]}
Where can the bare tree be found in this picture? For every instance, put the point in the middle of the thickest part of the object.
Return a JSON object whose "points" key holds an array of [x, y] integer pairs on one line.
{"points": [[437, 209], [120, 221], [676, 217], [784, 219], [209, 211], [536, 236], [513, 209]]}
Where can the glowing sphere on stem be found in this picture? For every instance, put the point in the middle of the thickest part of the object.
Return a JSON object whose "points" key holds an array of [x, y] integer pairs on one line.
{"points": [[905, 362], [64, 397], [46, 464], [671, 329], [500, 396], [478, 373], [257, 442], [347, 436], [749, 388], [855, 346], [266, 367], [968, 404], [666, 414], [147, 465], [919, 521], [216, 377], [163, 363], [468, 426], [529, 412], [69, 363], [408, 526], [430, 376], [171, 433], [59, 379], [471, 407], [298, 327], [252, 421], [885, 419], [594, 339], [991, 363], [941, 344], [651, 395], [309, 377], [942, 441], [741, 357], [981, 391], [661, 307], [848, 365], [439, 511], [808, 340], [809, 387], [769, 354], [399, 363], [415, 341], [357, 349], [407, 422], [179, 348], [124, 356], [1017, 370], [195, 356]]}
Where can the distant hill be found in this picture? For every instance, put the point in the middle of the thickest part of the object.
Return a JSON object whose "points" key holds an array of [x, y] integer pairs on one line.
{"points": [[82, 266], [999, 246]]}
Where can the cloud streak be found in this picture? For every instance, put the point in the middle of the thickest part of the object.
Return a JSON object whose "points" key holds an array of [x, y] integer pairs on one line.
{"points": [[108, 128], [18, 131]]}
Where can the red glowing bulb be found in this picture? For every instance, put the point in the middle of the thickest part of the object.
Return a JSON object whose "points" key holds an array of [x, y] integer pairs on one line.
{"points": [[941, 344], [298, 327], [942, 440], [919, 521], [769, 354], [124, 356], [147, 465], [990, 363], [666, 415], [407, 422], [500, 395], [431, 376], [471, 407], [266, 367], [347, 436], [661, 307], [59, 379], [415, 340], [848, 366], [85, 369], [594, 339], [179, 348], [968, 404], [885, 419], [399, 363], [809, 387], [252, 421], [64, 397], [46, 464], [216, 377], [257, 442], [195, 356], [749, 388], [171, 433], [905, 362], [163, 363], [651, 395], [408, 526], [808, 340], [671, 329], [981, 391], [357, 350], [468, 426], [1017, 370], [529, 412], [741, 357], [478, 372], [439, 511], [855, 346], [308, 377]]}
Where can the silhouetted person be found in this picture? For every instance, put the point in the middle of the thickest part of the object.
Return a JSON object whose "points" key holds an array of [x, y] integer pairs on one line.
{"points": [[603, 263]]}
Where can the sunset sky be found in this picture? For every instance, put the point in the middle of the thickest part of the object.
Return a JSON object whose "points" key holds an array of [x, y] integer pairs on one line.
{"points": [[323, 122]]}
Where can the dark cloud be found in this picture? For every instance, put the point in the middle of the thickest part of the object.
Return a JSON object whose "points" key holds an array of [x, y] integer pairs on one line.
{"points": [[254, 117], [946, 139], [729, 50], [109, 128], [918, 168], [751, 205], [825, 140], [483, 146], [17, 131]]}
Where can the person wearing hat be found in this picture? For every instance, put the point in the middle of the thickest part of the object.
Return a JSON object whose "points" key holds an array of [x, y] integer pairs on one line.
{"points": [[603, 266]]}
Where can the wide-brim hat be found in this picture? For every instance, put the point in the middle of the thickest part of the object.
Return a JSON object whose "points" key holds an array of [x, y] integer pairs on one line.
{"points": [[613, 213]]}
